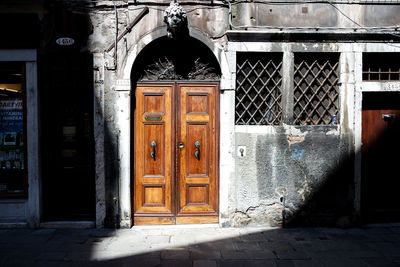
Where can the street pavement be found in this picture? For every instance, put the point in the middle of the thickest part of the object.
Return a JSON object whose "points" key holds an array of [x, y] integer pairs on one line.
{"points": [[202, 246]]}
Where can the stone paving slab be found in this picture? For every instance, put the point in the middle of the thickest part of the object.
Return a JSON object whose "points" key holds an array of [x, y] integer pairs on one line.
{"points": [[198, 246], [175, 254], [233, 254], [204, 263]]}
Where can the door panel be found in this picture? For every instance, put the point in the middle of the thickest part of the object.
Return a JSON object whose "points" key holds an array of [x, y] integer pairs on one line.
{"points": [[176, 185], [197, 173], [197, 132], [153, 151], [154, 132], [380, 146]]}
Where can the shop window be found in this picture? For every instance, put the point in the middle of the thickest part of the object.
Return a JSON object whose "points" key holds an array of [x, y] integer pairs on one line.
{"points": [[258, 89], [316, 95], [12, 130], [381, 67]]}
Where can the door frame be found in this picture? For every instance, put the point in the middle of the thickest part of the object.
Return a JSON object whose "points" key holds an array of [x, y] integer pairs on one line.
{"points": [[361, 88], [33, 203], [196, 219]]}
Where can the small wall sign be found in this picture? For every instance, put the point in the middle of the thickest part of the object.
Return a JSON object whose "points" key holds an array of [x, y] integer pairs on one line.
{"points": [[65, 41]]}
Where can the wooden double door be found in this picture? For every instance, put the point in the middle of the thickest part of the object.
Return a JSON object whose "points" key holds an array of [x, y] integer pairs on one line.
{"points": [[176, 153]]}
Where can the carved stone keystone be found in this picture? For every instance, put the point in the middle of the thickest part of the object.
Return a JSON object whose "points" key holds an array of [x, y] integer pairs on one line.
{"points": [[176, 19]]}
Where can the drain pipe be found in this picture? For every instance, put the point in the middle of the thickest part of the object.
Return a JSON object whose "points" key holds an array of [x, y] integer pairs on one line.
{"points": [[116, 35], [230, 15], [129, 28]]}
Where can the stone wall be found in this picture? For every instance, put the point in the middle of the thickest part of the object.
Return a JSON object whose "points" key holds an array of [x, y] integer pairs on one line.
{"points": [[289, 174]]}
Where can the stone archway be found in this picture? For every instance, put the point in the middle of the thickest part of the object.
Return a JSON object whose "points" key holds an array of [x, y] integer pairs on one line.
{"points": [[166, 59], [126, 67], [176, 103], [123, 88]]}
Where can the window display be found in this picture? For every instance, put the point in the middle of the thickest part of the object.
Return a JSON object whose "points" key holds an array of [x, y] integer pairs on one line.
{"points": [[12, 137], [11, 133]]}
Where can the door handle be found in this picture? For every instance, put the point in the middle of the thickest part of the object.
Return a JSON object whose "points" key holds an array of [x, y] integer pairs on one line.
{"points": [[197, 152], [153, 151]]}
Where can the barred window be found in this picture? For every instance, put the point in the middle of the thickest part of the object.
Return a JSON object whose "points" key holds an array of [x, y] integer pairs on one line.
{"points": [[381, 67], [258, 88], [316, 95]]}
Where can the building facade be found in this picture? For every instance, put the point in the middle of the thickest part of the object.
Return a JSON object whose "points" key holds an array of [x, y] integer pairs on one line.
{"points": [[237, 113]]}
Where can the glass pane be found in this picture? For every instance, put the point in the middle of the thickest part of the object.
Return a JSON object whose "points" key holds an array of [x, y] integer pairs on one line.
{"points": [[12, 138]]}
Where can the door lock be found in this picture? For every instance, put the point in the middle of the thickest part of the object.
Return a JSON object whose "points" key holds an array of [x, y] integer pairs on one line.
{"points": [[181, 145]]}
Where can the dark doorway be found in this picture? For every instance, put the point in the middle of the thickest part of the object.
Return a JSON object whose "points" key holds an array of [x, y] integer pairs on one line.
{"points": [[380, 158], [66, 96]]}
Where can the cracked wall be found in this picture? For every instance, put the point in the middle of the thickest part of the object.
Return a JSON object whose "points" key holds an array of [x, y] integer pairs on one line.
{"points": [[283, 171]]}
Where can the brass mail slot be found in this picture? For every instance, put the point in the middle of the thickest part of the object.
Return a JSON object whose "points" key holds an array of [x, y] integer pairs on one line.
{"points": [[153, 117]]}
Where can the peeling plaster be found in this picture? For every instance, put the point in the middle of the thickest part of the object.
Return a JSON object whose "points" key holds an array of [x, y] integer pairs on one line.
{"points": [[295, 139], [294, 131]]}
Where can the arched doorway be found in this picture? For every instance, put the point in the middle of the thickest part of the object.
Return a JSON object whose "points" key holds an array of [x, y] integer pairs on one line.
{"points": [[175, 133]]}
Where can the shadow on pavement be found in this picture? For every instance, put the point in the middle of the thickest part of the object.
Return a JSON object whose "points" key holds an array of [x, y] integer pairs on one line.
{"points": [[206, 246]]}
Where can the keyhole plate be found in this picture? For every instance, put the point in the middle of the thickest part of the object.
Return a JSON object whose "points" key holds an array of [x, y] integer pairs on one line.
{"points": [[241, 151]]}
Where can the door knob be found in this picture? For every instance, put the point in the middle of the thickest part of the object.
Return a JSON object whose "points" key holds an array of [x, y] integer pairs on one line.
{"points": [[197, 152], [153, 151], [181, 145]]}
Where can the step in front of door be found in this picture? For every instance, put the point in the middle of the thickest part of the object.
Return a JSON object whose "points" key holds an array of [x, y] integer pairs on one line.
{"points": [[175, 220]]}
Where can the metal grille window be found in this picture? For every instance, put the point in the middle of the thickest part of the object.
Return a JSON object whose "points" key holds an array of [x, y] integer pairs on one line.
{"points": [[381, 67], [316, 96], [258, 89]]}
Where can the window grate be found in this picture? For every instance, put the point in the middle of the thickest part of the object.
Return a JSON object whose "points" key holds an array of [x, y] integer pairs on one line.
{"points": [[258, 89], [381, 67], [316, 96]]}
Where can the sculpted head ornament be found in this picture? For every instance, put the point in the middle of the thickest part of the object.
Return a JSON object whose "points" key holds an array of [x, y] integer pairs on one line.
{"points": [[176, 19]]}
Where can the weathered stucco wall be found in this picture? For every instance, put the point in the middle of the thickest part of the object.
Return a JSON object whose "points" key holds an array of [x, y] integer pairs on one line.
{"points": [[292, 165], [317, 15], [314, 15], [211, 22], [307, 171]]}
